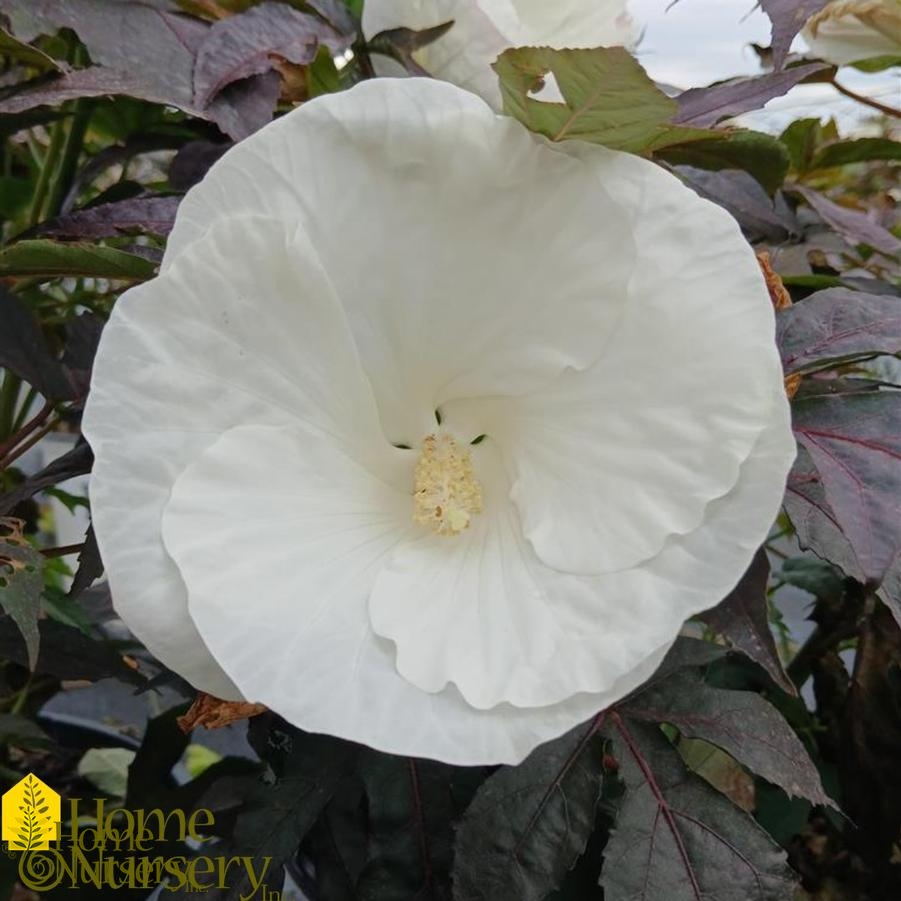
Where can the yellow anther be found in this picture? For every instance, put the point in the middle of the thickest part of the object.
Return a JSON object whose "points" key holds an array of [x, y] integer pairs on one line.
{"points": [[446, 491]]}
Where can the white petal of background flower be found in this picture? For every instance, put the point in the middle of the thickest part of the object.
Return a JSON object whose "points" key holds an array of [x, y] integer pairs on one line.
{"points": [[205, 347], [483, 29], [472, 259], [850, 30]]}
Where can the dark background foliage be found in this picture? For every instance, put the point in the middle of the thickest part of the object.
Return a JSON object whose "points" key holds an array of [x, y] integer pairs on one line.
{"points": [[745, 768]]}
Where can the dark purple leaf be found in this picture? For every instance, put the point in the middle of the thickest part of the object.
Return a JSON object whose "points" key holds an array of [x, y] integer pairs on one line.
{"points": [[401, 43], [741, 618], [67, 653], [245, 106], [240, 46], [528, 824], [890, 592], [410, 833], [279, 814], [741, 723], [788, 18], [153, 47], [838, 324], [685, 652], [76, 462], [90, 566], [139, 214], [814, 519], [82, 338], [112, 156], [854, 441], [854, 226], [337, 14], [10, 125], [703, 107], [94, 81], [151, 58], [871, 285], [24, 350], [677, 837], [742, 196], [192, 162]]}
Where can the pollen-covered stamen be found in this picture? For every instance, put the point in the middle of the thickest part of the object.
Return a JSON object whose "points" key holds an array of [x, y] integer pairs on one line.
{"points": [[446, 491]]}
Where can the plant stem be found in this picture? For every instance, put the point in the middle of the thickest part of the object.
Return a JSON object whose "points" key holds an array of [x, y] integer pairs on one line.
{"points": [[22, 696], [63, 551], [82, 109], [14, 455], [9, 397], [24, 431], [24, 407], [867, 101], [47, 169], [820, 641]]}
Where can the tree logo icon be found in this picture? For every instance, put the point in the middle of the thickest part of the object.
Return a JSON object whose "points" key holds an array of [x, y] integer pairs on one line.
{"points": [[30, 815]]}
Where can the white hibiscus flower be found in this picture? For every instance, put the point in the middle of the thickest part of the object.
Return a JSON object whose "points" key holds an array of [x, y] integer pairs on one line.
{"points": [[483, 29], [849, 31], [431, 433]]}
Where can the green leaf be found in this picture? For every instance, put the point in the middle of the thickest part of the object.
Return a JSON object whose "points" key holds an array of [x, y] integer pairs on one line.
{"points": [[676, 837], [59, 606], [107, 769], [14, 195], [608, 98], [878, 63], [528, 824], [816, 577], [861, 150], [803, 140], [758, 154], [20, 52], [52, 259], [21, 583], [323, 76], [23, 733]]}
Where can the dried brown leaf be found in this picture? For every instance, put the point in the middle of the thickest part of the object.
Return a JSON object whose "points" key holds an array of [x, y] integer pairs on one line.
{"points": [[214, 713]]}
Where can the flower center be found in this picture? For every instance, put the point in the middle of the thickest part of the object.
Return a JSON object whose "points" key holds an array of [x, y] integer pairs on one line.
{"points": [[446, 491]]}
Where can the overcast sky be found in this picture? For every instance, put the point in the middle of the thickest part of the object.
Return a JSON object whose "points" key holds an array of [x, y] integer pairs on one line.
{"points": [[697, 42]]}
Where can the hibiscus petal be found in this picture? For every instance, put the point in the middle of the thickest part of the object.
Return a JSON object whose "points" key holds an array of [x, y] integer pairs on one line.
{"points": [[292, 628], [610, 462], [289, 623], [206, 346], [480, 611], [499, 262]]}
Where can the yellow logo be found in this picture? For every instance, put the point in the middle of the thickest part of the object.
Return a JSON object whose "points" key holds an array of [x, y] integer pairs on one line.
{"points": [[31, 815]]}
